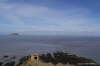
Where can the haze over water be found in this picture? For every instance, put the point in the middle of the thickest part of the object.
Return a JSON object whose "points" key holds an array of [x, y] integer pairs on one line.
{"points": [[22, 45]]}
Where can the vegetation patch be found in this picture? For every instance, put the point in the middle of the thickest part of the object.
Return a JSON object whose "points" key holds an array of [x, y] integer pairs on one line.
{"points": [[5, 56], [23, 60], [1, 63], [64, 58], [12, 63]]}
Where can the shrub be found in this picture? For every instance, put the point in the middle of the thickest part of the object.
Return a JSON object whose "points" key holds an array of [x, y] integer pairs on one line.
{"points": [[12, 63], [1, 63], [64, 58], [22, 60]]}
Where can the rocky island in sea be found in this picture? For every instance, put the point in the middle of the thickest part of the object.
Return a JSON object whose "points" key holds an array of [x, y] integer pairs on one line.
{"points": [[14, 34], [49, 59]]}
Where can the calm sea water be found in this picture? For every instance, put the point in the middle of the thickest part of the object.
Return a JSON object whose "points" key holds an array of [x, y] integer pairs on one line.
{"points": [[23, 45]]}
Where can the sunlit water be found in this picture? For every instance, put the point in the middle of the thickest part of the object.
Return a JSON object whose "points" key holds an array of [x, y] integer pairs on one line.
{"points": [[23, 45]]}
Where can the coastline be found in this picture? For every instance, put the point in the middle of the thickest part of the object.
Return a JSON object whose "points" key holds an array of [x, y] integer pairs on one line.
{"points": [[57, 58]]}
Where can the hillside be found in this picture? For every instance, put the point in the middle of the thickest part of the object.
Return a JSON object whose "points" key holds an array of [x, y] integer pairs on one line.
{"points": [[49, 59]]}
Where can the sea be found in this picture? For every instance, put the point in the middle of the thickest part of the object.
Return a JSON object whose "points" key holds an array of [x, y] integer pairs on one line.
{"points": [[86, 46]]}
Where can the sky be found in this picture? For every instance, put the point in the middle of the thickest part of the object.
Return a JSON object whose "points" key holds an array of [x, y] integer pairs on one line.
{"points": [[50, 17]]}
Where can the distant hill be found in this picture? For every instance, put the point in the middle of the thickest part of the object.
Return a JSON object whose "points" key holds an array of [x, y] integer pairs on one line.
{"points": [[16, 34]]}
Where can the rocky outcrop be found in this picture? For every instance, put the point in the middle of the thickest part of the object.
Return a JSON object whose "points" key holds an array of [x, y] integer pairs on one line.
{"points": [[57, 59], [49, 59]]}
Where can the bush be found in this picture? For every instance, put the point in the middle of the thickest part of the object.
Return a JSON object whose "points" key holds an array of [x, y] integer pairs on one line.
{"points": [[5, 56], [10, 63], [22, 60], [1, 63]]}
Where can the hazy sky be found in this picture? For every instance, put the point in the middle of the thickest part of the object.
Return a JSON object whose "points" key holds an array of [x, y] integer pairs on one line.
{"points": [[65, 17]]}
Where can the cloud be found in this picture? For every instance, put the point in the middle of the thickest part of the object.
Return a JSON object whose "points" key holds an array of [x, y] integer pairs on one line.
{"points": [[26, 18]]}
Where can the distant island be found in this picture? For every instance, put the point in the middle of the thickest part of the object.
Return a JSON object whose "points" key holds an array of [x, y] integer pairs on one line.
{"points": [[15, 34]]}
